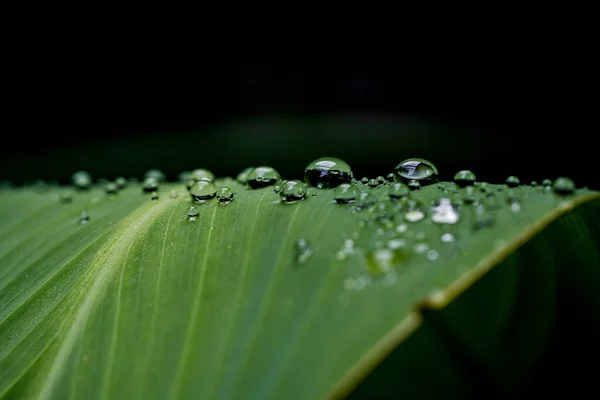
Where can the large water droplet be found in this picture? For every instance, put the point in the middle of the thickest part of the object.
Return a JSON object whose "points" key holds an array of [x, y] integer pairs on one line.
{"points": [[445, 213], [464, 178], [327, 172], [82, 180], [201, 174], [242, 177], [155, 174], [261, 177], [203, 190], [225, 195], [192, 213], [303, 251], [512, 181], [292, 191], [563, 186], [150, 184], [418, 169], [345, 193]]}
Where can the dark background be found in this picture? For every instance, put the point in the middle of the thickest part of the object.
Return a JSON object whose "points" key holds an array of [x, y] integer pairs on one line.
{"points": [[112, 114]]}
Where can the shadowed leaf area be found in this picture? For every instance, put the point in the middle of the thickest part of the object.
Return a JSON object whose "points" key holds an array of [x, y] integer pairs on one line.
{"points": [[280, 289]]}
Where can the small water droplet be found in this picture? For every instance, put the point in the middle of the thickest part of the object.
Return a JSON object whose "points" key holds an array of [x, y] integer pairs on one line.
{"points": [[533, 183], [277, 189], [414, 211], [447, 237], [373, 183], [203, 190], [173, 194], [563, 186], [261, 177], [184, 176], [398, 190], [547, 182], [482, 218], [402, 228], [515, 206], [345, 193], [364, 200], [292, 191], [111, 188], [242, 177], [192, 213], [512, 181], [364, 180], [303, 251], [464, 178], [314, 193], [155, 174], [65, 197], [396, 243], [382, 261], [420, 248], [432, 255], [417, 169], [150, 184], [121, 182], [390, 177], [154, 196], [81, 180], [84, 218], [225, 195], [201, 174], [327, 172], [381, 180], [414, 184], [470, 196], [444, 212]]}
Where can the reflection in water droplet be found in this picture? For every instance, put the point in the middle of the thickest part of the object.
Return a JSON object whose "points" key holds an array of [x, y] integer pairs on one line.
{"points": [[84, 218], [225, 195], [192, 213], [345, 193], [464, 178], [261, 177], [292, 191], [444, 212], [203, 190], [417, 169], [512, 181], [327, 172], [303, 251], [563, 186]]}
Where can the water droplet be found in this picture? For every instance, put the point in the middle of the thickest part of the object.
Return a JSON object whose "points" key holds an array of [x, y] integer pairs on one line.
{"points": [[303, 251], [364, 200], [261, 177], [414, 184], [292, 191], [390, 177], [511, 196], [470, 196], [225, 195], [184, 176], [373, 183], [515, 206], [417, 169], [121, 182], [432, 255], [383, 260], [277, 189], [203, 190], [444, 212], [447, 237], [327, 172], [402, 228], [464, 178], [381, 180], [242, 177], [364, 180], [547, 182], [563, 186], [420, 248], [150, 184], [533, 183], [173, 194], [155, 174], [65, 197], [345, 193], [414, 211], [201, 174], [81, 180], [84, 218], [154, 196], [482, 218], [192, 213], [398, 190], [512, 181], [111, 188]]}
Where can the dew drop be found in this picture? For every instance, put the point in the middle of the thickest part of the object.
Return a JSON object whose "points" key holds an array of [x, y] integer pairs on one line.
{"points": [[381, 180], [364, 180], [464, 178], [390, 177], [173, 194], [111, 188], [417, 169], [203, 190], [398, 190], [345, 193], [420, 248], [81, 180], [303, 251], [414, 211], [155, 174], [65, 198], [277, 189], [150, 184], [432, 255], [533, 183], [512, 181], [314, 193], [381, 261], [184, 176], [547, 182], [444, 212], [365, 200], [470, 196], [84, 218], [242, 177], [447, 238], [201, 174], [154, 196], [292, 191], [192, 213], [563, 186], [225, 195], [414, 184], [121, 182], [327, 173], [261, 177], [373, 183], [482, 218]]}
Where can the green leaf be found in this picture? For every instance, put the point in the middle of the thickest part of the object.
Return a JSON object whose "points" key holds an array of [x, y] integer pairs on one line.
{"points": [[141, 302]]}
